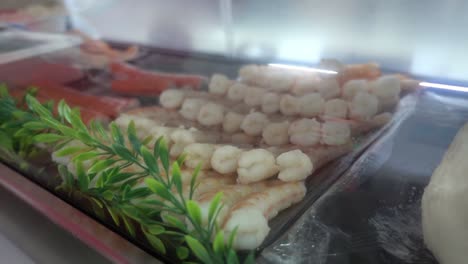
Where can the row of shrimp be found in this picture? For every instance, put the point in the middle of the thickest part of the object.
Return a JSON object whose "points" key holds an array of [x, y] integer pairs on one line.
{"points": [[331, 128], [260, 201], [299, 80], [249, 162], [258, 141]]}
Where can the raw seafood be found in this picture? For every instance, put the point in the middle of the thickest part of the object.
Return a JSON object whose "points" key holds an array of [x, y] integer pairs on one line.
{"points": [[294, 166], [254, 123], [225, 159], [251, 214], [131, 80], [275, 134], [256, 165]]}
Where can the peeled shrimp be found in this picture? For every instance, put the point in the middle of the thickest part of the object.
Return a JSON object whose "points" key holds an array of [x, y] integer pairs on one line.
{"points": [[225, 159], [336, 108], [328, 88], [254, 96], [294, 166], [198, 153], [335, 133], [305, 85], [305, 132], [231, 195], [270, 103], [289, 105], [256, 165], [143, 124], [280, 81], [211, 184], [254, 123], [219, 84], [237, 92], [250, 216], [382, 119], [387, 89], [353, 87], [171, 98], [162, 131], [276, 133], [249, 73], [364, 106], [191, 107], [211, 114], [232, 122], [181, 138], [311, 105]]}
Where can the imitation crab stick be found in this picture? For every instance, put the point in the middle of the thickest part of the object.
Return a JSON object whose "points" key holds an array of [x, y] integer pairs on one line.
{"points": [[86, 114], [109, 106], [131, 80]]}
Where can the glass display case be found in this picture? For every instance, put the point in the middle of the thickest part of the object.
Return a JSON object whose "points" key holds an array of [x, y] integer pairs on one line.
{"points": [[229, 135]]}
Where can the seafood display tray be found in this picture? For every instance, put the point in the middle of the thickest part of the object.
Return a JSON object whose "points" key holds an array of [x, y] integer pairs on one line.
{"points": [[372, 214], [344, 215]]}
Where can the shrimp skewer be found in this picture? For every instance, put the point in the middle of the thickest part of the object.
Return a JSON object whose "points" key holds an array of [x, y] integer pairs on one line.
{"points": [[251, 215]]}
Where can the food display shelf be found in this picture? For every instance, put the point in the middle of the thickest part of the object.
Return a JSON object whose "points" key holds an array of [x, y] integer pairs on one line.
{"points": [[357, 210]]}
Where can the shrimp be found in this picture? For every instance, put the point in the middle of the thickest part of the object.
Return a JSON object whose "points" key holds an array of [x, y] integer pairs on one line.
{"points": [[305, 132], [211, 114], [335, 133], [305, 85], [250, 216], [212, 183], [280, 81], [270, 103], [162, 131], [143, 124], [353, 87], [231, 195], [382, 119], [336, 108], [232, 122], [191, 107], [225, 159], [256, 165], [237, 92], [294, 165], [311, 105], [387, 89], [171, 98], [254, 96], [364, 106], [254, 123], [181, 138], [249, 73], [198, 153], [219, 84], [289, 105], [328, 88], [276, 133]]}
